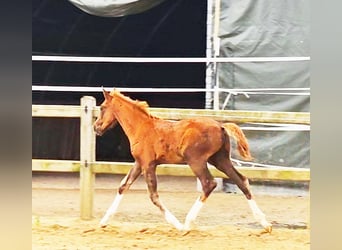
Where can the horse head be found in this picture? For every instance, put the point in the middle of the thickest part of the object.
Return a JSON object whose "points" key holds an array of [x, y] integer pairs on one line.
{"points": [[106, 119]]}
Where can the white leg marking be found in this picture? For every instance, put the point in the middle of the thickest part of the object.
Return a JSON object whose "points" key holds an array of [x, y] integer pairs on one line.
{"points": [[111, 210], [170, 218], [192, 214], [123, 181], [259, 215]]}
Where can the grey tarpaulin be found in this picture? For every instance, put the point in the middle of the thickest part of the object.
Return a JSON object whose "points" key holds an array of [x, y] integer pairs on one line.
{"points": [[268, 28], [114, 8]]}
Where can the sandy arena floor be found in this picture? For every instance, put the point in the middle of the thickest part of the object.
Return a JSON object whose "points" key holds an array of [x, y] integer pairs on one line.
{"points": [[225, 222]]}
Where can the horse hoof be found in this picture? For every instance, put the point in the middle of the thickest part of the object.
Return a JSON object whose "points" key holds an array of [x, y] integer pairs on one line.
{"points": [[268, 229], [187, 228], [185, 232], [103, 225]]}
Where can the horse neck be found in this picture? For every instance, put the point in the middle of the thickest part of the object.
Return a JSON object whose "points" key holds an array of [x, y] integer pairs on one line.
{"points": [[130, 117]]}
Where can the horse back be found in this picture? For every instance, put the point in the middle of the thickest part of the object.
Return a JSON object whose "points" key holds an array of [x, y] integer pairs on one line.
{"points": [[177, 141]]}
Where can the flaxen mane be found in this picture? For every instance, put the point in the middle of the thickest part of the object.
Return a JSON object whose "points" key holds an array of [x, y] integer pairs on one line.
{"points": [[142, 105]]}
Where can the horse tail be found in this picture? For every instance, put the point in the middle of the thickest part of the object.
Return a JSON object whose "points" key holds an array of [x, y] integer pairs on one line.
{"points": [[236, 132]]}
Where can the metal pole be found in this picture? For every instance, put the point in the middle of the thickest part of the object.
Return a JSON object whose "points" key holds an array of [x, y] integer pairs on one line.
{"points": [[209, 79], [216, 45]]}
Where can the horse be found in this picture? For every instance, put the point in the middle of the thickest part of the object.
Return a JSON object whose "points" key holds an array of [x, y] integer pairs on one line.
{"points": [[154, 141]]}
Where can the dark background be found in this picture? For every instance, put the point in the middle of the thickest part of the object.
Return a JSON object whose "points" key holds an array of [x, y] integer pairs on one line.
{"points": [[171, 29]]}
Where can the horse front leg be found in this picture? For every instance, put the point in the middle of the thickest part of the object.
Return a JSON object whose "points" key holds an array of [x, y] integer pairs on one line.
{"points": [[125, 184], [151, 181]]}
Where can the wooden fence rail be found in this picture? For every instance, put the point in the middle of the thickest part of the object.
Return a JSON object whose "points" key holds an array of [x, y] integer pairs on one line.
{"points": [[103, 167], [177, 114], [88, 167]]}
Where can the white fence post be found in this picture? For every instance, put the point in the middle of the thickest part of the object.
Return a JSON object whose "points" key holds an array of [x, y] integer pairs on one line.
{"points": [[87, 157]]}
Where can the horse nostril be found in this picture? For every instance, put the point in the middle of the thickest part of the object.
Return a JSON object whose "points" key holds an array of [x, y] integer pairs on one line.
{"points": [[96, 127]]}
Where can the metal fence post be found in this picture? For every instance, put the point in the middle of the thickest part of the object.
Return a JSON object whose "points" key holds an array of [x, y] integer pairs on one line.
{"points": [[87, 157]]}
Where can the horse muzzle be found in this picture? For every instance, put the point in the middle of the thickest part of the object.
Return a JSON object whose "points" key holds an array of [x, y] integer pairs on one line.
{"points": [[98, 130]]}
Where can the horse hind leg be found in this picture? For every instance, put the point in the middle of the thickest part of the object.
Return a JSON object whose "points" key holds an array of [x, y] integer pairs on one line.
{"points": [[151, 181], [257, 213], [125, 184], [208, 185], [226, 166]]}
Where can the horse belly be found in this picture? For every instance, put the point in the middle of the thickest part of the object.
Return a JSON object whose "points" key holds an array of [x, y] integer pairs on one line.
{"points": [[168, 153]]}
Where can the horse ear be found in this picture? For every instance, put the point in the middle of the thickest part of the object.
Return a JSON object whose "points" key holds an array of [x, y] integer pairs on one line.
{"points": [[106, 94]]}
